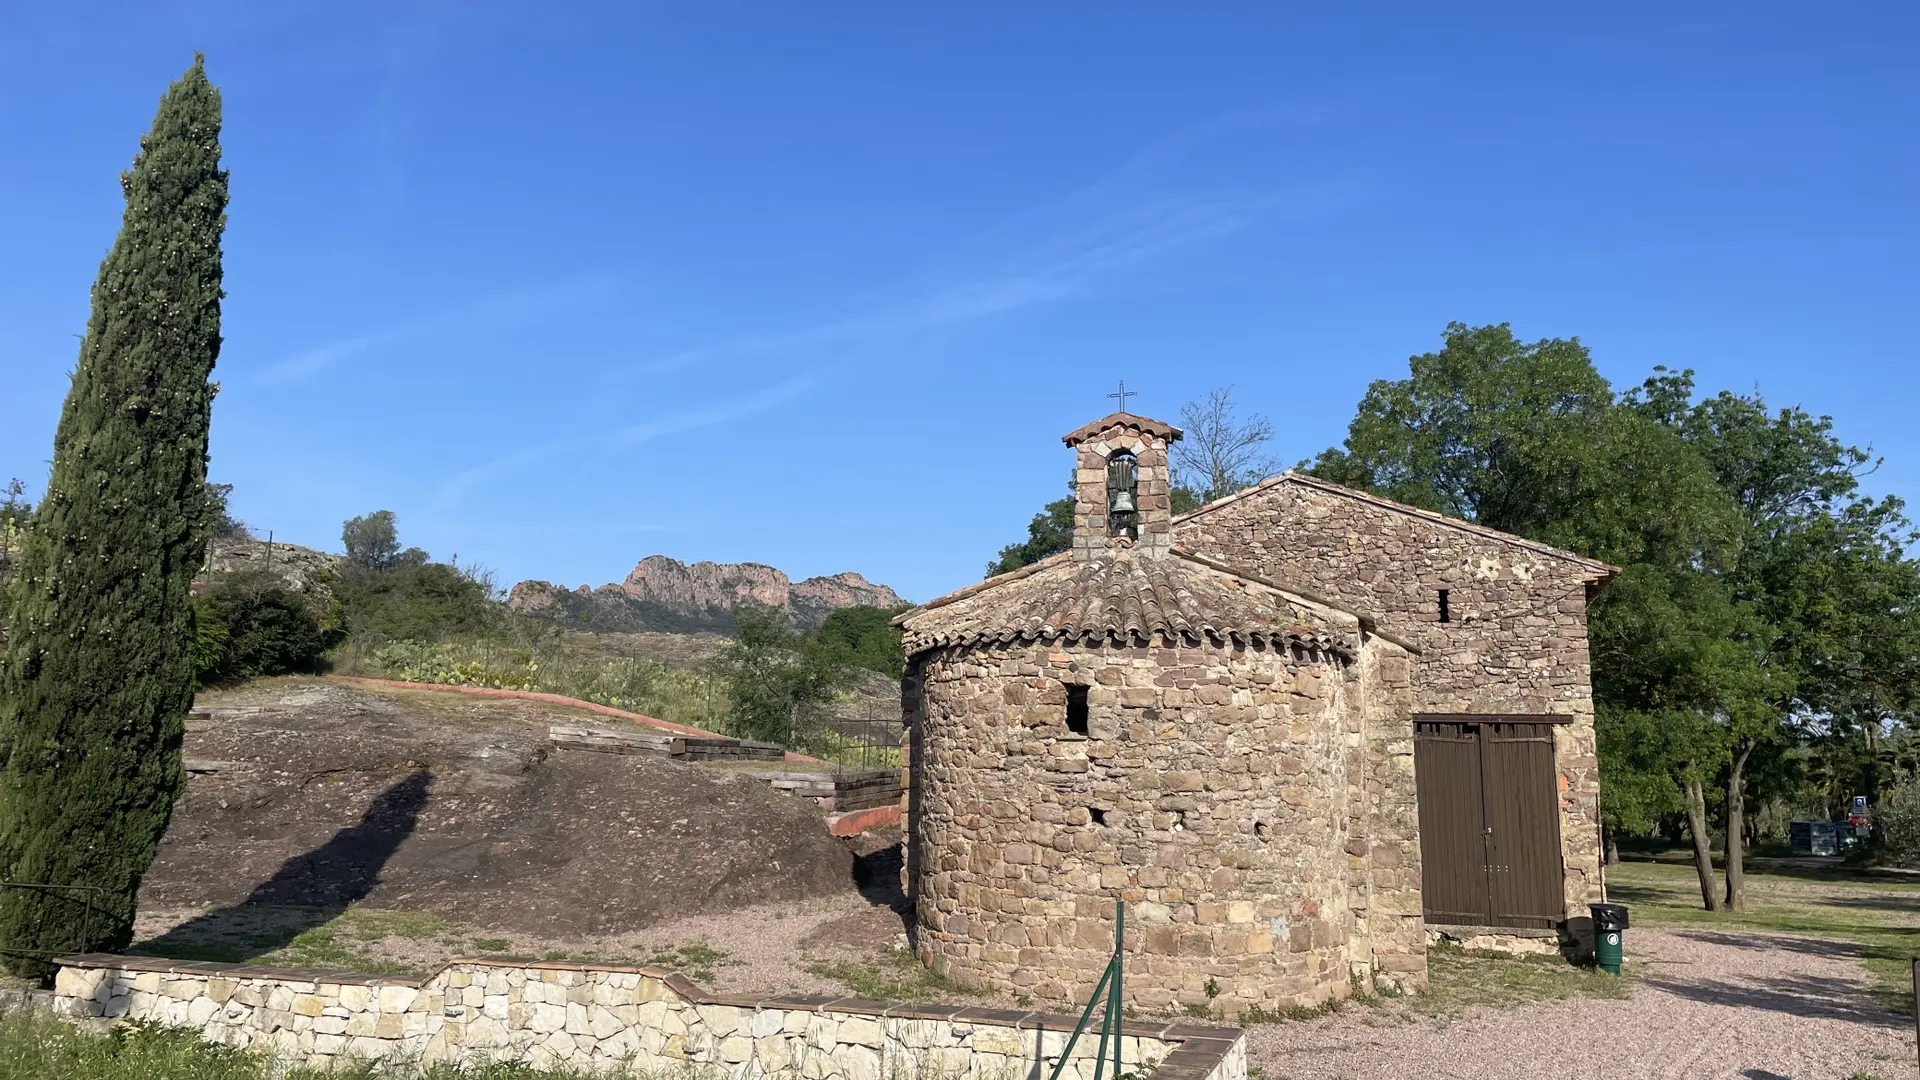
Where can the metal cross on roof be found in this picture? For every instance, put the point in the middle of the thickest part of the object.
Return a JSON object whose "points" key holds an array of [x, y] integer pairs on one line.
{"points": [[1123, 395]]}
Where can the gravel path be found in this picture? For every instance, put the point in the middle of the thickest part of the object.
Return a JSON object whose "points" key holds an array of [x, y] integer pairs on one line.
{"points": [[1707, 1004]]}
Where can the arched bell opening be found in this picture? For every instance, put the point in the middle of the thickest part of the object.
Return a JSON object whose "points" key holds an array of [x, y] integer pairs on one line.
{"points": [[1123, 496]]}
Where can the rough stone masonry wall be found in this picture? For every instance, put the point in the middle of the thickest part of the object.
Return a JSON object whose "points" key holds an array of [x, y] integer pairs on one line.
{"points": [[1516, 642], [551, 1015], [1223, 792]]}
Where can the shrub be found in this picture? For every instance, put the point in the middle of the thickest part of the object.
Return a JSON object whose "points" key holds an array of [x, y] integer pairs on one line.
{"points": [[420, 601], [1899, 816], [250, 625]]}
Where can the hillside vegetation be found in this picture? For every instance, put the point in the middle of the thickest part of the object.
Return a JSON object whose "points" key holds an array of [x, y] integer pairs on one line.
{"points": [[387, 611]]}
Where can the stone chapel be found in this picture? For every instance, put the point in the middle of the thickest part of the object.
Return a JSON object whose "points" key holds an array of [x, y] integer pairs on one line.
{"points": [[1297, 730]]}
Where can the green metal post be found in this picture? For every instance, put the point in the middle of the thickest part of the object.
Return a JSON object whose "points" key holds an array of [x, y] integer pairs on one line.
{"points": [[1119, 968], [1067, 1053], [1106, 1028]]}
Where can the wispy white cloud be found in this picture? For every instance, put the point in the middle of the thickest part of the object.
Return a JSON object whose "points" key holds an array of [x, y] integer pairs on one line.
{"points": [[718, 412], [1060, 267], [1135, 214], [490, 311]]}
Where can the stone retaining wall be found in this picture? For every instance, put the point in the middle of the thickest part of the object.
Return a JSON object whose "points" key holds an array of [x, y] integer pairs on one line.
{"points": [[548, 1014]]}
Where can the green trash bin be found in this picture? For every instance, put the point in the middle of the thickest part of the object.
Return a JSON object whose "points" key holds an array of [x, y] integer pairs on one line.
{"points": [[1609, 924]]}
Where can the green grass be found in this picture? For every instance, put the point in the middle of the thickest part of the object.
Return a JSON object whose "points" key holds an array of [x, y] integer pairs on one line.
{"points": [[890, 975], [1877, 911], [696, 960], [35, 1046], [1457, 978], [490, 944]]}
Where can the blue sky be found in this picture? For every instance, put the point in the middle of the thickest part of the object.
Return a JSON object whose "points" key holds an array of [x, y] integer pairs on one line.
{"points": [[821, 285]]}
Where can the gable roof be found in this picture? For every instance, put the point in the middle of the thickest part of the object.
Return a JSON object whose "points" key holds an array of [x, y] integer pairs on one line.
{"points": [[1594, 569], [1130, 596]]}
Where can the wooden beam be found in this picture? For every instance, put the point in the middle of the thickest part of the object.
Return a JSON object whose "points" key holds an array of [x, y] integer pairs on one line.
{"points": [[609, 741]]}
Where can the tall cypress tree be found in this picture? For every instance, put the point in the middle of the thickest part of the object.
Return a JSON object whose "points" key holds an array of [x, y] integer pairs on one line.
{"points": [[99, 674]]}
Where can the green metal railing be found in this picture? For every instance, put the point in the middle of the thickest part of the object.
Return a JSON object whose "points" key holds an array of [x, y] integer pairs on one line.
{"points": [[86, 896], [1109, 984]]}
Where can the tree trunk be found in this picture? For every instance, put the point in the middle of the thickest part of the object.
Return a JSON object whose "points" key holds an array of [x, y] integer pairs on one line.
{"points": [[1876, 836], [1702, 843], [1736, 824]]}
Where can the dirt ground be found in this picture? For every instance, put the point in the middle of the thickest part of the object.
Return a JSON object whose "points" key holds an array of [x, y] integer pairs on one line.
{"points": [[1702, 1003], [323, 798]]}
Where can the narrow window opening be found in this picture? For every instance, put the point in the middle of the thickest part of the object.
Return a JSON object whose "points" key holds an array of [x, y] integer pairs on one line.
{"points": [[1099, 815], [1123, 496], [1077, 709], [1446, 610]]}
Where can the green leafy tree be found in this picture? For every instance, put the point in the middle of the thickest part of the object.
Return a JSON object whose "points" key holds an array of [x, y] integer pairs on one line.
{"points": [[1049, 533], [1897, 817], [1529, 438], [372, 541], [225, 525], [774, 674], [99, 670], [1490, 429], [1824, 572], [387, 593], [865, 637]]}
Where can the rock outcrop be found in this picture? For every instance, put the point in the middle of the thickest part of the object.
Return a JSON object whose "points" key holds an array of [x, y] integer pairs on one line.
{"points": [[302, 570], [669, 595]]}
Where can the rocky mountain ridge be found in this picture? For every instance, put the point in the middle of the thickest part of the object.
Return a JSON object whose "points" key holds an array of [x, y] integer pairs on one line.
{"points": [[665, 594]]}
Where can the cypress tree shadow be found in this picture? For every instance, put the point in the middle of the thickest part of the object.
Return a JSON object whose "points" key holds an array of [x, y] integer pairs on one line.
{"points": [[308, 889]]}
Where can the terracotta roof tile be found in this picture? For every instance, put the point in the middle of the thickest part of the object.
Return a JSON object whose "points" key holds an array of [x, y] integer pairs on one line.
{"points": [[1129, 596], [1142, 424]]}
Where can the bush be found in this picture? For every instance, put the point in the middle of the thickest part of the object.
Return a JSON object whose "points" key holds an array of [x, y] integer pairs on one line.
{"points": [[1899, 817], [250, 625], [419, 601], [865, 636]]}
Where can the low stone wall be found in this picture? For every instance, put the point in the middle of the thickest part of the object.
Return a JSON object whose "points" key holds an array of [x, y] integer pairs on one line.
{"points": [[547, 1014]]}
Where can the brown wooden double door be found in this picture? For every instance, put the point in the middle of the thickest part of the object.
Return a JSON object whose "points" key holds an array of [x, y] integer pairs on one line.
{"points": [[1489, 823]]}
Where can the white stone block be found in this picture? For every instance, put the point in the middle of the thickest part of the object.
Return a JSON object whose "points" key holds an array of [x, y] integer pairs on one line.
{"points": [[862, 1031], [858, 1062], [397, 999], [548, 1018], [328, 1044], [618, 1046], [775, 1054], [765, 1022], [602, 1022]]}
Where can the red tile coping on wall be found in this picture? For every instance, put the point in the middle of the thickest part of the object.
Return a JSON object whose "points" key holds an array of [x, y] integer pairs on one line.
{"points": [[1201, 1046], [551, 699], [855, 822]]}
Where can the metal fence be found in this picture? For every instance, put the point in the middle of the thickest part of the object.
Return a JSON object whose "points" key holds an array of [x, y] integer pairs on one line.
{"points": [[59, 909]]}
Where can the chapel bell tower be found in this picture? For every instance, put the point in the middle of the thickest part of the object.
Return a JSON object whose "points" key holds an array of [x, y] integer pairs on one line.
{"points": [[1122, 485]]}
